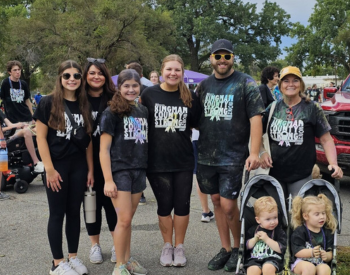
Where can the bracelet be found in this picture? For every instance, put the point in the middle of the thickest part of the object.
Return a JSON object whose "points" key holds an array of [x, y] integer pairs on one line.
{"points": [[263, 152]]}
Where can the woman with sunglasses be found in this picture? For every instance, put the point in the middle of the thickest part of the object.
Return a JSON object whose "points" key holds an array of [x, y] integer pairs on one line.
{"points": [[100, 89], [292, 129], [68, 168], [172, 114]]}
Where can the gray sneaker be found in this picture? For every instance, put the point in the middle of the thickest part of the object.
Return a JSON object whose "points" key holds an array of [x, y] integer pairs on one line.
{"points": [[63, 268], [135, 268], [77, 265], [4, 196], [113, 256], [96, 254], [179, 256], [166, 259]]}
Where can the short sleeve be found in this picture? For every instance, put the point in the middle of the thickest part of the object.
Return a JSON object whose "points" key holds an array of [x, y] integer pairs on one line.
{"points": [[322, 126], [297, 240], [108, 122], [43, 111], [281, 239], [254, 103]]}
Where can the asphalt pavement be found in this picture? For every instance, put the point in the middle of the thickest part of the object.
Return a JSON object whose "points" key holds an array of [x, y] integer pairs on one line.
{"points": [[24, 247]]}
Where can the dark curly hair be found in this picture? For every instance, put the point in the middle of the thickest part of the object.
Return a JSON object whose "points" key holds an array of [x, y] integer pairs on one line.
{"points": [[268, 73]]}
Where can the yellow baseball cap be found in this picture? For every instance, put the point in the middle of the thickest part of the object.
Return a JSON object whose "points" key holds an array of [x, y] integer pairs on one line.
{"points": [[290, 70]]}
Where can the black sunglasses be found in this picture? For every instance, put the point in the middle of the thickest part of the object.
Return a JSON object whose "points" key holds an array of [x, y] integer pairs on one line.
{"points": [[99, 60], [219, 56], [67, 76]]}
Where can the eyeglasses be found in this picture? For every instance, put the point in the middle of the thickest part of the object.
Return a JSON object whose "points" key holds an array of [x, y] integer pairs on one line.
{"points": [[289, 113], [67, 76], [99, 60], [219, 56]]}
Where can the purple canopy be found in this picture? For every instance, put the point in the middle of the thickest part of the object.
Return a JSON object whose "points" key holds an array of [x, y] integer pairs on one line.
{"points": [[191, 77]]}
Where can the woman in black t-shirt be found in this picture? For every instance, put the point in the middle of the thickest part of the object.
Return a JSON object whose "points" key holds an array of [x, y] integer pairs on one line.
{"points": [[100, 89], [68, 167], [172, 114], [294, 125]]}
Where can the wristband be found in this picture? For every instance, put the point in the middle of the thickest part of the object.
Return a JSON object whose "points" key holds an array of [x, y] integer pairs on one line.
{"points": [[263, 152], [2, 139]]}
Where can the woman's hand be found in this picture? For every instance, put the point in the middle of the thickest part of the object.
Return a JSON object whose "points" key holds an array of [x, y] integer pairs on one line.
{"points": [[252, 162], [265, 161], [90, 179], [53, 179], [110, 189], [338, 172]]}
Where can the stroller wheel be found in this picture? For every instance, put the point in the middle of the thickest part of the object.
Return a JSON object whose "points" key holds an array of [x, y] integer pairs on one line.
{"points": [[21, 186]]}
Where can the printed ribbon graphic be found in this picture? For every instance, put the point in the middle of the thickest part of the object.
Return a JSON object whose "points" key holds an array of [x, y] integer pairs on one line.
{"points": [[215, 113], [282, 141], [137, 131], [173, 123]]}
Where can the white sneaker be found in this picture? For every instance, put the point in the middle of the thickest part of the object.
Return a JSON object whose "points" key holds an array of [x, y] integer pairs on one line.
{"points": [[63, 268], [76, 264], [206, 217], [39, 167], [96, 254], [113, 256]]}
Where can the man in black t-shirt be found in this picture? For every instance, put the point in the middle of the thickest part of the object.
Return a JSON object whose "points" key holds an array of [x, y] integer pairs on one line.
{"points": [[231, 111], [15, 95]]}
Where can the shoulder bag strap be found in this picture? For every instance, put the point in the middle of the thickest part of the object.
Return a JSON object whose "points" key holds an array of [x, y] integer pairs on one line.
{"points": [[69, 114], [270, 114]]}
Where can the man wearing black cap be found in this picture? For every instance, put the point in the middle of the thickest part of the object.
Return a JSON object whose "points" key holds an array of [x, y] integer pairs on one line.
{"points": [[231, 112]]}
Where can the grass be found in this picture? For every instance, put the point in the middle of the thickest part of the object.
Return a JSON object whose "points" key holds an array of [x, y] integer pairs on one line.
{"points": [[343, 262]]}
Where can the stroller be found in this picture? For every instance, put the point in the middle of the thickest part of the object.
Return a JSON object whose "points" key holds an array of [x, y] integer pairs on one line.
{"points": [[319, 186], [21, 169], [256, 187]]}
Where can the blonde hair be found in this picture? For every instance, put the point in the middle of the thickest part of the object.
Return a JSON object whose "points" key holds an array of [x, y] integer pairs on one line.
{"points": [[302, 206], [265, 204], [185, 93]]}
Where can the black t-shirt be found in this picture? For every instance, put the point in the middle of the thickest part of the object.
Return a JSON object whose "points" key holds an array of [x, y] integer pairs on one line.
{"points": [[2, 119], [261, 251], [59, 142], [292, 143], [314, 94], [300, 240], [130, 138], [170, 123], [266, 95], [14, 100], [227, 105]]}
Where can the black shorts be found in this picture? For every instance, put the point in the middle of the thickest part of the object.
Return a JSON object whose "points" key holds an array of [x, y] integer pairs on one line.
{"points": [[133, 180], [259, 263], [223, 180]]}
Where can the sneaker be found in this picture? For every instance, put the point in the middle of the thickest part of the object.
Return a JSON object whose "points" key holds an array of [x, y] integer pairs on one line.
{"points": [[135, 268], [76, 264], [96, 254], [206, 217], [63, 268], [113, 256], [39, 167], [142, 200], [121, 270], [166, 259], [179, 256], [231, 264], [219, 260], [4, 196]]}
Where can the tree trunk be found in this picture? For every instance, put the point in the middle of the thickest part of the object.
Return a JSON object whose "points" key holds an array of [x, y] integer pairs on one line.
{"points": [[194, 54]]}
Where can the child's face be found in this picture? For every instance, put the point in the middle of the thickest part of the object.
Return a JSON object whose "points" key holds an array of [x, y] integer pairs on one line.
{"points": [[268, 220], [130, 90], [316, 217]]}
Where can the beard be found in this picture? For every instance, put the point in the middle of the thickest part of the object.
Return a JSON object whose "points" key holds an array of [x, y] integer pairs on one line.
{"points": [[222, 71]]}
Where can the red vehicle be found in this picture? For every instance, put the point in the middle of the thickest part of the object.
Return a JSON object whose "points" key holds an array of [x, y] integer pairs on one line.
{"points": [[337, 111]]}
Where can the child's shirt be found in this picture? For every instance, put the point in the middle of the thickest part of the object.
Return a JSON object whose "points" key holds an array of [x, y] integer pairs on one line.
{"points": [[129, 148], [263, 251], [301, 239]]}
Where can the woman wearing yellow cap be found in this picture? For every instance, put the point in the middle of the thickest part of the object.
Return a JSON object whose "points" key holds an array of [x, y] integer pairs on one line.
{"points": [[294, 124]]}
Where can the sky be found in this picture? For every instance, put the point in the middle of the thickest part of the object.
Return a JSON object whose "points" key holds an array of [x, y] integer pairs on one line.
{"points": [[299, 10]]}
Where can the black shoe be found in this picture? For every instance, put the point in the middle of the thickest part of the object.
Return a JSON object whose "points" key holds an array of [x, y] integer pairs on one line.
{"points": [[219, 260], [231, 264]]}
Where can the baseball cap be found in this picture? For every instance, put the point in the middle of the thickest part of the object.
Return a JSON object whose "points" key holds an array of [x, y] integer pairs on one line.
{"points": [[290, 70], [222, 44]]}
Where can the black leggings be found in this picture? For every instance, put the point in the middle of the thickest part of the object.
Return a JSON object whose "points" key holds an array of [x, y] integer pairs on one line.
{"points": [[172, 191], [66, 202], [101, 201]]}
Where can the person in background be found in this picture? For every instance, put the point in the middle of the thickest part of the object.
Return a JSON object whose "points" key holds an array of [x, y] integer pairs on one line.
{"points": [[154, 77], [37, 98], [269, 80], [137, 67], [314, 94]]}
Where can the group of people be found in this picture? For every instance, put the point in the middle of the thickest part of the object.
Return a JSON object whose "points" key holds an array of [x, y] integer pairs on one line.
{"points": [[134, 138]]}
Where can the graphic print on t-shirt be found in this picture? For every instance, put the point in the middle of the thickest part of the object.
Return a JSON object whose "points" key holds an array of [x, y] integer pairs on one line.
{"points": [[170, 117], [261, 251], [17, 95], [286, 132], [97, 131], [218, 106], [78, 118], [135, 128]]}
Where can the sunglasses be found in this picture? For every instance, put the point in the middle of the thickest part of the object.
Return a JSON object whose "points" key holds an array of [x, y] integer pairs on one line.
{"points": [[290, 115], [67, 76], [219, 56], [99, 60]]}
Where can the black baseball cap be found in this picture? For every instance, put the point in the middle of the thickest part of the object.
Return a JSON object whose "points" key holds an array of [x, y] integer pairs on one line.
{"points": [[222, 44]]}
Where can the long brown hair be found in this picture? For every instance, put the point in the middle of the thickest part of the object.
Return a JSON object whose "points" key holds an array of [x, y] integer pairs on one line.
{"points": [[57, 120], [119, 104], [185, 93]]}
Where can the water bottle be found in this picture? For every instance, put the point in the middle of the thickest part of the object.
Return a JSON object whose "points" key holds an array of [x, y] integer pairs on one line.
{"points": [[3, 159], [90, 206]]}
